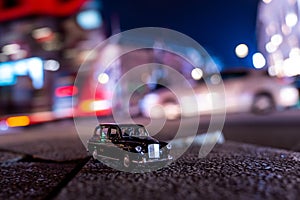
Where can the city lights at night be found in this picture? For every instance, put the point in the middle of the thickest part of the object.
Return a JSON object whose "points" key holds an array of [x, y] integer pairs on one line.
{"points": [[151, 100], [278, 38]]}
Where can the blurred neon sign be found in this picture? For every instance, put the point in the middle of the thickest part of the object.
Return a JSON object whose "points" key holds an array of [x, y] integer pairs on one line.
{"points": [[32, 67], [23, 8], [66, 91], [7, 75]]}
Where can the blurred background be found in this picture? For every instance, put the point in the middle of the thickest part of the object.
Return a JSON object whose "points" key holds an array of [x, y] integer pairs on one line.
{"points": [[254, 43]]}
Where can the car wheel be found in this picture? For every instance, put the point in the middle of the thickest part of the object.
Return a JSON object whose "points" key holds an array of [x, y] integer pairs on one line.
{"points": [[263, 104], [126, 161]]}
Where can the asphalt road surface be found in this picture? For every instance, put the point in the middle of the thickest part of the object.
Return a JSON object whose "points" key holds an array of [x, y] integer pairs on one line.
{"points": [[50, 162]]}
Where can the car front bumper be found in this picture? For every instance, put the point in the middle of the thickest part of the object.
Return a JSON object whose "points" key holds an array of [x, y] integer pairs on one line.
{"points": [[153, 160]]}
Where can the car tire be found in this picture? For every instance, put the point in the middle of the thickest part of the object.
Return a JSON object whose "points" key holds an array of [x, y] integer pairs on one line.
{"points": [[126, 161], [263, 104]]}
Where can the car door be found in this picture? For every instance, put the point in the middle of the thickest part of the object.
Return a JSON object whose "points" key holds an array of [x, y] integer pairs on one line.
{"points": [[112, 150], [99, 139]]}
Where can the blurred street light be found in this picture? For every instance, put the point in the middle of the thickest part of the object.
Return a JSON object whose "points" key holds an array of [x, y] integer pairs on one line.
{"points": [[241, 50], [258, 60]]}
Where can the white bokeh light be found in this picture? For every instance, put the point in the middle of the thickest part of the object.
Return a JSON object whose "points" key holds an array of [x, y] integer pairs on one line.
{"points": [[267, 1], [291, 19], [270, 47], [103, 78], [241, 50], [197, 73], [259, 60], [276, 39]]}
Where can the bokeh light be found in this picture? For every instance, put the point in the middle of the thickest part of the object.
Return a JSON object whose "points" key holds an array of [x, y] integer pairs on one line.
{"points": [[259, 60], [197, 73], [103, 78], [241, 50]]}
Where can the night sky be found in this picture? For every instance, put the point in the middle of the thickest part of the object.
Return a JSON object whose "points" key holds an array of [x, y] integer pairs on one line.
{"points": [[218, 25]]}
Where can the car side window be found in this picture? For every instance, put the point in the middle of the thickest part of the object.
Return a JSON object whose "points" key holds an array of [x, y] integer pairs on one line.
{"points": [[104, 132], [113, 133], [97, 131]]}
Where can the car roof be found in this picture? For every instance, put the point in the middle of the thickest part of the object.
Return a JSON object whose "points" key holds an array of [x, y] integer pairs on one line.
{"points": [[119, 124]]}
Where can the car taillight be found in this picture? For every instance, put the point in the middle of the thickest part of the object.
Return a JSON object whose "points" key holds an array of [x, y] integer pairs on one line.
{"points": [[66, 91]]}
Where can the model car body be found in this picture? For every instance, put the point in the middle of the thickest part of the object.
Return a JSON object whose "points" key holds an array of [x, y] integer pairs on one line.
{"points": [[127, 143]]}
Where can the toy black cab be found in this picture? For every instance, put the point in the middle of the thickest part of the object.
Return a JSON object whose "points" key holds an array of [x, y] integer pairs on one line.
{"points": [[129, 144]]}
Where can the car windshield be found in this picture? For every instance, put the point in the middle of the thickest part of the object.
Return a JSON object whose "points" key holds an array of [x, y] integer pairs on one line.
{"points": [[134, 131]]}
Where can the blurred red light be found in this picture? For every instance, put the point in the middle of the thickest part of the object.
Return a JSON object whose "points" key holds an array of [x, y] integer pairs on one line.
{"points": [[66, 91], [32, 7]]}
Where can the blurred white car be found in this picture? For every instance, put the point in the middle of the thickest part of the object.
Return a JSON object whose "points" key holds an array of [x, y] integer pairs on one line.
{"points": [[244, 91]]}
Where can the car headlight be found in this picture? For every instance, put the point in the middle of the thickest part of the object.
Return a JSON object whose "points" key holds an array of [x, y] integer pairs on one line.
{"points": [[169, 146], [138, 149], [288, 92], [288, 96]]}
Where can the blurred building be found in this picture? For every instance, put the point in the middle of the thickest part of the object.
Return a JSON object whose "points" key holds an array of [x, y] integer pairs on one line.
{"points": [[42, 45]]}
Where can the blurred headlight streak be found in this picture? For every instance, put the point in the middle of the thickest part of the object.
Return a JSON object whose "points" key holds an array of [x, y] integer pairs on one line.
{"points": [[18, 121], [101, 105], [41, 117], [86, 106]]}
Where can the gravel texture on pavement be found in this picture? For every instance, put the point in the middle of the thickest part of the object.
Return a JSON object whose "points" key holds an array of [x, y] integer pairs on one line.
{"points": [[230, 171], [30, 180]]}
